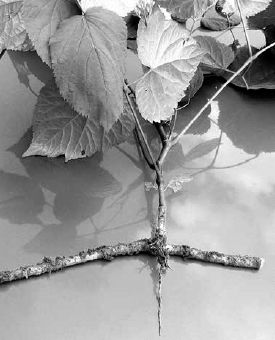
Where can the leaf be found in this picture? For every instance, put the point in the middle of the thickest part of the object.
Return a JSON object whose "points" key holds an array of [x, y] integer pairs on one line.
{"points": [[87, 178], [12, 30], [120, 7], [184, 9], [217, 55], [213, 21], [202, 149], [42, 18], [259, 75], [264, 18], [173, 57], [194, 86], [248, 7], [177, 183], [59, 130], [88, 54]]}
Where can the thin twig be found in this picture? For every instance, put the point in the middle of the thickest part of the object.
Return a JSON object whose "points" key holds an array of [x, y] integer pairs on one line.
{"points": [[173, 124], [247, 42], [134, 112], [212, 167], [140, 144], [244, 28], [217, 149], [255, 56], [183, 106]]}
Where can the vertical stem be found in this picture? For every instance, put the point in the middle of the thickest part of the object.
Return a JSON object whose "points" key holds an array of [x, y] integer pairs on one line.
{"points": [[244, 28], [143, 150], [161, 132], [139, 128]]}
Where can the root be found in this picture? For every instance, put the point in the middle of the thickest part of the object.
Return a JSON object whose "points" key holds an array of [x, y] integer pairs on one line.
{"points": [[143, 246]]}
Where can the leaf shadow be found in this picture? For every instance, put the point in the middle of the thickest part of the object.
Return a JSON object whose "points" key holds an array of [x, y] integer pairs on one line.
{"points": [[21, 200], [79, 189], [250, 125], [27, 64]]}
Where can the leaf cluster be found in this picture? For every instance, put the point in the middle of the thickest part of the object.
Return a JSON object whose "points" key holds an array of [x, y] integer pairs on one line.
{"points": [[83, 110]]}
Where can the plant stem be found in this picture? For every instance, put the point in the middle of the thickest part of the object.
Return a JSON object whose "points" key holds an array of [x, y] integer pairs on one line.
{"points": [[143, 150], [161, 132], [244, 28], [139, 128]]}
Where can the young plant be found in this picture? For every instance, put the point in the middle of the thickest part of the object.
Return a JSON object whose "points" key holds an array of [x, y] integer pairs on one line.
{"points": [[85, 44]]}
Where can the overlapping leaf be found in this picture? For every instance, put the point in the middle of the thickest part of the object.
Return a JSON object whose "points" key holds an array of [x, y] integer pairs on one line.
{"points": [[42, 18], [214, 21], [120, 7], [194, 86], [252, 7], [217, 55], [88, 56], [264, 18], [248, 7], [173, 57], [184, 9], [59, 130], [12, 30]]}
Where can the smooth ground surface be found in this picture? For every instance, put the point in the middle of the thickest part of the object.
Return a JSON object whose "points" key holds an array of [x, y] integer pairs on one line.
{"points": [[51, 208]]}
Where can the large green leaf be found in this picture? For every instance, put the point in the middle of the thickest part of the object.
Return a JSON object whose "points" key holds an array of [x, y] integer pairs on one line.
{"points": [[217, 55], [88, 55], [173, 57], [12, 30], [184, 9], [59, 130], [42, 18]]}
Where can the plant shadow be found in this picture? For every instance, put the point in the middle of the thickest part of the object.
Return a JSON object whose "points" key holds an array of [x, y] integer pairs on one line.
{"points": [[72, 192]]}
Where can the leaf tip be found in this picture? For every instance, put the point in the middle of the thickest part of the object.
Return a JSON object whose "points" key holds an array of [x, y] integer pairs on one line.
{"points": [[28, 153]]}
